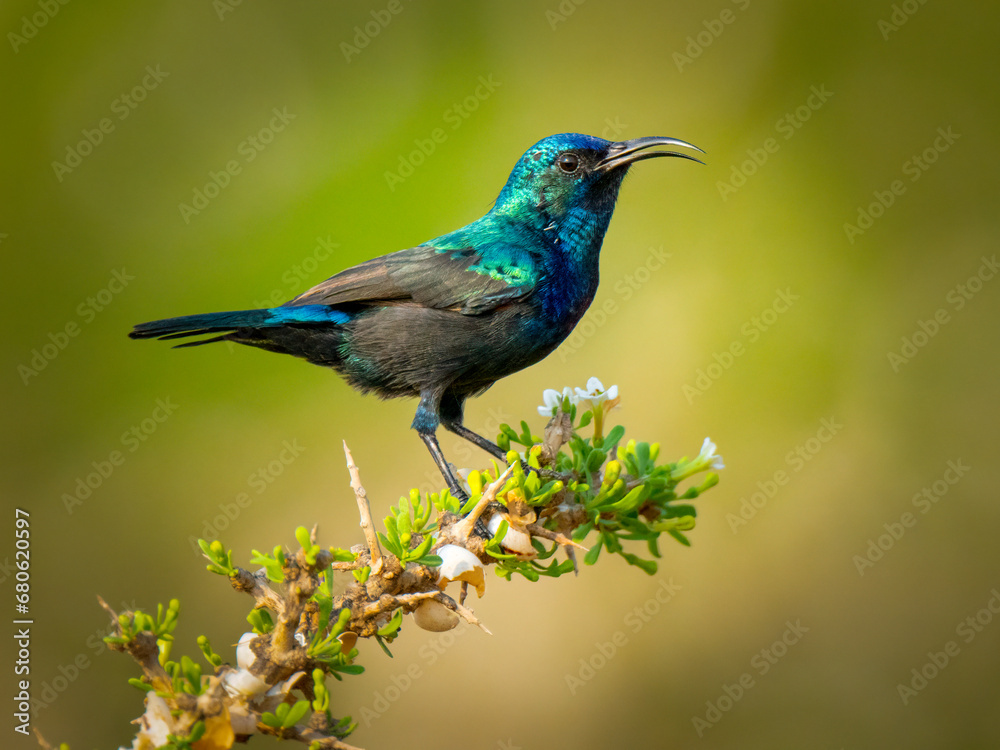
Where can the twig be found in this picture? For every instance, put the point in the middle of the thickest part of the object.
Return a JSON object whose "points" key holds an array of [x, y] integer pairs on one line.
{"points": [[257, 587], [462, 610], [538, 530], [463, 529], [389, 602], [365, 510]]}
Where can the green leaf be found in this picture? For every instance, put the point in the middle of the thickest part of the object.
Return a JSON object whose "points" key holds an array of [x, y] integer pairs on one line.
{"points": [[348, 668], [295, 713], [615, 434], [362, 575], [679, 537], [421, 549], [593, 553], [642, 456], [526, 437], [302, 537], [140, 684], [272, 720], [595, 460], [647, 566], [632, 500], [390, 628]]}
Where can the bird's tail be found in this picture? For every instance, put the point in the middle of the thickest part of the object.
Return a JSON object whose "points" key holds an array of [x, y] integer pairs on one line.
{"points": [[228, 322]]}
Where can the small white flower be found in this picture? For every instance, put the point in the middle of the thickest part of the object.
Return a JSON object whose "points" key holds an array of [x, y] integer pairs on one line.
{"points": [[244, 654], [516, 540], [156, 723], [242, 683], [553, 400], [708, 454], [278, 694], [596, 393]]}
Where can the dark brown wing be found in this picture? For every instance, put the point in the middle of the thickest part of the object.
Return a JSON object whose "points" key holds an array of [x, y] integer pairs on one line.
{"points": [[464, 279]]}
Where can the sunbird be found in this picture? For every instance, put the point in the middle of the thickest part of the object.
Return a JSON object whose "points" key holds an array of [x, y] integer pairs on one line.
{"points": [[446, 319]]}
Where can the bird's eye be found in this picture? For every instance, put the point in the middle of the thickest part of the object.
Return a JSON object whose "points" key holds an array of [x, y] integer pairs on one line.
{"points": [[568, 163]]}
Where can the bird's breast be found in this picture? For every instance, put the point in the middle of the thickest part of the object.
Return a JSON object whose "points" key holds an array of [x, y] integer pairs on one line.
{"points": [[565, 297]]}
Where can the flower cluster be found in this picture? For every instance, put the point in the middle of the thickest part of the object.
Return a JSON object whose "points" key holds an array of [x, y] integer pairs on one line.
{"points": [[595, 393]]}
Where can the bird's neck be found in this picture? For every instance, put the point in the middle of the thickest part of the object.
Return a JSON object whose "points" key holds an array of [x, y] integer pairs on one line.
{"points": [[577, 235], [571, 237]]}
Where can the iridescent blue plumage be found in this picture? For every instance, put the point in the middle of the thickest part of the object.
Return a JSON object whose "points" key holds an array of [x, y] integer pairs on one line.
{"points": [[446, 319]]}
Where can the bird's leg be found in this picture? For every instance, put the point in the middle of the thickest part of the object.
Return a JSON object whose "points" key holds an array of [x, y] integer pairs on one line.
{"points": [[450, 411], [479, 440], [425, 422], [431, 441]]}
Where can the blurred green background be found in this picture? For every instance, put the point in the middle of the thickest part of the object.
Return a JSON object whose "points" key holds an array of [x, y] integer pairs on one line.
{"points": [[812, 117]]}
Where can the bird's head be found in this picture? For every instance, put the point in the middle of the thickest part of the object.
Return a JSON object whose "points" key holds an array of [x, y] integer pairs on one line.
{"points": [[566, 173]]}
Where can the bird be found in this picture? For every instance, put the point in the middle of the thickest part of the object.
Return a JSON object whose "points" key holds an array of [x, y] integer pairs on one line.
{"points": [[444, 320]]}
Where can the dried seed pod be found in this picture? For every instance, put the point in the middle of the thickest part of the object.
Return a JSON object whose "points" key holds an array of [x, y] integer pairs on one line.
{"points": [[432, 615], [347, 640]]}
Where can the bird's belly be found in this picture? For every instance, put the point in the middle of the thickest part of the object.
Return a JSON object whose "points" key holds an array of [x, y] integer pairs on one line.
{"points": [[404, 349]]}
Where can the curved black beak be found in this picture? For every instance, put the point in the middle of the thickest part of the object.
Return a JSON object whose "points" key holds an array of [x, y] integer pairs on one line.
{"points": [[623, 153]]}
